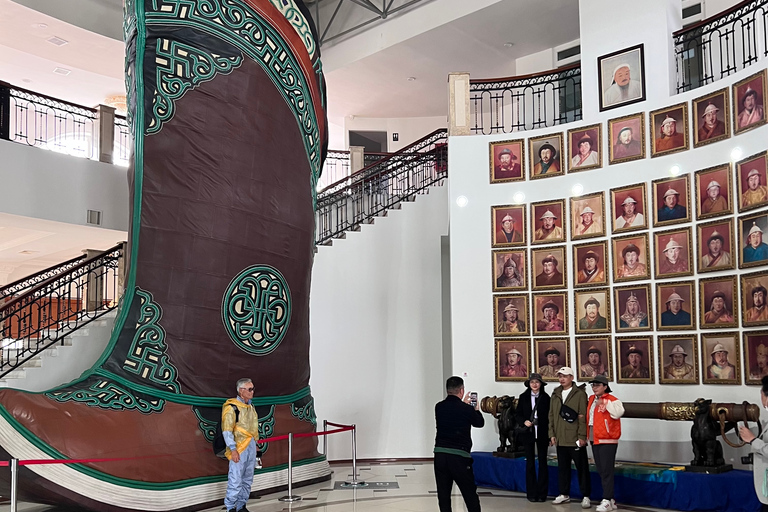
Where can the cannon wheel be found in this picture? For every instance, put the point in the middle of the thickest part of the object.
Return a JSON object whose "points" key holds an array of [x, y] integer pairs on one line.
{"points": [[721, 413]]}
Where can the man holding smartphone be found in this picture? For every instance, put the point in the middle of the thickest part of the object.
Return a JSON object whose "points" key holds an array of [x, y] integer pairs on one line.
{"points": [[454, 419]]}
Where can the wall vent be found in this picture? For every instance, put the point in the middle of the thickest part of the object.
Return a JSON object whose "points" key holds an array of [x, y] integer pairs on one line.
{"points": [[693, 12], [567, 53], [62, 71], [57, 41], [94, 218]]}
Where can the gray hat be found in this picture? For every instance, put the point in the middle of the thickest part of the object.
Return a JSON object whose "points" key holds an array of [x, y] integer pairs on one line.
{"points": [[601, 379], [535, 376]]}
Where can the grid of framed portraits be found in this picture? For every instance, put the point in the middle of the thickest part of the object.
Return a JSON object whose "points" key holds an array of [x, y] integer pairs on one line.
{"points": [[663, 281]]}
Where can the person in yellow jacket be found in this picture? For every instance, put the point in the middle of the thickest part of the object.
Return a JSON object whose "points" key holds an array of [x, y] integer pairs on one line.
{"points": [[241, 432]]}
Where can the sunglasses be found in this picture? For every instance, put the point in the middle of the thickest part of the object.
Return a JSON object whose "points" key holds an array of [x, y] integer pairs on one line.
{"points": [[248, 389]]}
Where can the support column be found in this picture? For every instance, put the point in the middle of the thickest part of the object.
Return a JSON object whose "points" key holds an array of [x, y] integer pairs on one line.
{"points": [[94, 284], [356, 158], [458, 94], [106, 119]]}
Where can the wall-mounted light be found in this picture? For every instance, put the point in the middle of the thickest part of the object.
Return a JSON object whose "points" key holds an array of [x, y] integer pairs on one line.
{"points": [[462, 201], [736, 153], [518, 198], [674, 170], [577, 189]]}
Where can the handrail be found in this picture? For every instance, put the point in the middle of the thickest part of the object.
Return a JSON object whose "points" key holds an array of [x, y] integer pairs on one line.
{"points": [[49, 98], [37, 277], [49, 311], [519, 78], [712, 18]]}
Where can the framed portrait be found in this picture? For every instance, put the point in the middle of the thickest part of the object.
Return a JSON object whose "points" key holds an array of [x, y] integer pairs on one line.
{"points": [[678, 360], [584, 147], [506, 161], [719, 303], [594, 357], [751, 174], [749, 102], [547, 222], [670, 130], [546, 156], [550, 355], [753, 251], [675, 306], [670, 200], [631, 260], [635, 356], [509, 270], [513, 357], [673, 253], [720, 358], [508, 225], [548, 267], [550, 314], [592, 308], [589, 261], [755, 357], [622, 77], [626, 138], [713, 191], [711, 118], [753, 299], [587, 216], [628, 208], [510, 315], [715, 246], [633, 307]]}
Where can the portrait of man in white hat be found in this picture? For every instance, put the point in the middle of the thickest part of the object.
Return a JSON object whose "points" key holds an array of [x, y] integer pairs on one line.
{"points": [[709, 119], [510, 223], [748, 99], [587, 216], [669, 199], [549, 223], [757, 344], [754, 191], [714, 201], [674, 255], [630, 216], [678, 367], [621, 78], [755, 250], [512, 364], [721, 368], [675, 312], [671, 128]]}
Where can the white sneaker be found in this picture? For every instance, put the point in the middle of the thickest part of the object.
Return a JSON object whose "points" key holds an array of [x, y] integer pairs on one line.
{"points": [[606, 506], [585, 503], [561, 499]]}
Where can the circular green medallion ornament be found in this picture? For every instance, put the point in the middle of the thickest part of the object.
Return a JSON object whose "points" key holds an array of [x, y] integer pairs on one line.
{"points": [[256, 309]]}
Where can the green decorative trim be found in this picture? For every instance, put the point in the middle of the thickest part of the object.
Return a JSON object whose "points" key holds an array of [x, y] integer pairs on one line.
{"points": [[238, 24], [125, 482], [108, 395], [181, 68], [256, 309], [298, 22], [306, 412], [266, 428], [147, 358], [208, 427]]}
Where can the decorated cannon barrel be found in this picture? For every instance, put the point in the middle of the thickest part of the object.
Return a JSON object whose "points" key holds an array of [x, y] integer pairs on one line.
{"points": [[227, 109], [685, 411]]}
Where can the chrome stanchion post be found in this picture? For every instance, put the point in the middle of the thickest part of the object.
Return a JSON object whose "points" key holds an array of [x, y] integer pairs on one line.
{"points": [[14, 484], [290, 497], [354, 482], [325, 439]]}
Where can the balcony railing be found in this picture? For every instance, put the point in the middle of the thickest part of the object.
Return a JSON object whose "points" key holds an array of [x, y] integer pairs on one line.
{"points": [[721, 45], [345, 205], [504, 105], [43, 313], [24, 284]]}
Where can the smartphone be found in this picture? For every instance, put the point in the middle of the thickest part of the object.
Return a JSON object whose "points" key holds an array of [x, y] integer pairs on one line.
{"points": [[473, 399]]}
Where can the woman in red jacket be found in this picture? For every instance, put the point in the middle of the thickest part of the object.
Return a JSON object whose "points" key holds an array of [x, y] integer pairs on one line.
{"points": [[603, 432]]}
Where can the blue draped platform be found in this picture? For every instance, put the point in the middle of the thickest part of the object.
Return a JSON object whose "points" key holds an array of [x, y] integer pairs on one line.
{"points": [[649, 486]]}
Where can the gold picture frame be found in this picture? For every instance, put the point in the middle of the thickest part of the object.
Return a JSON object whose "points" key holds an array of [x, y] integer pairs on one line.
{"points": [[713, 370], [675, 306], [668, 118], [593, 159], [512, 372], [507, 169], [625, 298], [633, 196], [673, 253], [619, 148], [516, 323], [667, 190], [592, 310], [550, 314], [637, 351], [554, 166], [559, 349], [587, 216], [712, 256], [590, 263], [716, 295], [678, 358], [711, 118], [500, 236], [717, 178], [544, 212], [631, 258], [589, 368]]}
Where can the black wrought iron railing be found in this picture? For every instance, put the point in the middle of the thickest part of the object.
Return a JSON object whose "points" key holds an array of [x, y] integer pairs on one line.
{"points": [[503, 105], [372, 158], [368, 193], [122, 149], [336, 167], [24, 284], [721, 45], [46, 313], [49, 123]]}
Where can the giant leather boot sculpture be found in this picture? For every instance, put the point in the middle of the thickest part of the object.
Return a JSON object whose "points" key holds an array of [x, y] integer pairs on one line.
{"points": [[226, 100]]}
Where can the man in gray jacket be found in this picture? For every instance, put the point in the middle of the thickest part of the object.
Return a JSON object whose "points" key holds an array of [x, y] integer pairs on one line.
{"points": [[568, 431]]}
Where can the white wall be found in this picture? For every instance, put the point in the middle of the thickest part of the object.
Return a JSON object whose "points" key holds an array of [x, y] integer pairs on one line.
{"points": [[535, 63], [471, 295], [409, 129], [375, 319], [47, 185], [712, 7]]}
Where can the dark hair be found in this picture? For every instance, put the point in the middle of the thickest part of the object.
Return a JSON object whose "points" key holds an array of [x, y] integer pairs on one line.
{"points": [[764, 382], [453, 384]]}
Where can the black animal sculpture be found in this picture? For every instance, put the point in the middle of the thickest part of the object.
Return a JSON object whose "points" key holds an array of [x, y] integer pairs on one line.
{"points": [[707, 450]]}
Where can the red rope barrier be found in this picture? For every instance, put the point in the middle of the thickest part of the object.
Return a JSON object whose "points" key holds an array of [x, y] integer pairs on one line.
{"points": [[34, 462]]}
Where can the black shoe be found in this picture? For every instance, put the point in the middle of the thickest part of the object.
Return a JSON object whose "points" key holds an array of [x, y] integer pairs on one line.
{"points": [[243, 509], [542, 499], [532, 500]]}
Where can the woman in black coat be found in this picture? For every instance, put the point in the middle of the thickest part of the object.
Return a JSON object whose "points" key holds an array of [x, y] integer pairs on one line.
{"points": [[537, 436]]}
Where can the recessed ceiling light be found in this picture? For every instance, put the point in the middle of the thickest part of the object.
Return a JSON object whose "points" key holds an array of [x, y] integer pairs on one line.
{"points": [[462, 201], [411, 78], [28, 252], [57, 41], [509, 45], [40, 25], [26, 80], [62, 71]]}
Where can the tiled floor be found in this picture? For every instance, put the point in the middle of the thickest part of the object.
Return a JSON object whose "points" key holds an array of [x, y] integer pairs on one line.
{"points": [[416, 493]]}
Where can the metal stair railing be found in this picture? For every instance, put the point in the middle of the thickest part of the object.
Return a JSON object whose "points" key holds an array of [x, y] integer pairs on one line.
{"points": [[345, 205], [52, 309], [25, 283]]}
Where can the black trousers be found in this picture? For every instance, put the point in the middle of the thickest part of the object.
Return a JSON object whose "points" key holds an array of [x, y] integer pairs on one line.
{"points": [[451, 468], [536, 485], [579, 456], [605, 460]]}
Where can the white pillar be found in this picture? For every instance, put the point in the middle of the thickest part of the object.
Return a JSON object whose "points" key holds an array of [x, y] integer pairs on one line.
{"points": [[356, 158], [458, 94], [106, 115]]}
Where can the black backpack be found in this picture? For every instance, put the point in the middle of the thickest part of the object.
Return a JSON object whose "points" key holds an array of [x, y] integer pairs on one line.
{"points": [[219, 446]]}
